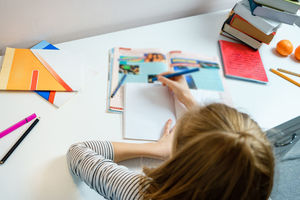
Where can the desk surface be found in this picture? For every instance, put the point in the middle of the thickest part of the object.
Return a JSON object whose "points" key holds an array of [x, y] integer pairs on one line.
{"points": [[37, 169]]}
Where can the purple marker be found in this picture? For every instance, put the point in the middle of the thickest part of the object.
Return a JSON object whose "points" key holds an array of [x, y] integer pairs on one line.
{"points": [[17, 125]]}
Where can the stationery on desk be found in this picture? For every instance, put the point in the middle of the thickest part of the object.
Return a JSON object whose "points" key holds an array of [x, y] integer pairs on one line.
{"points": [[119, 85], [142, 65], [5, 143], [17, 125], [286, 77], [179, 73]]}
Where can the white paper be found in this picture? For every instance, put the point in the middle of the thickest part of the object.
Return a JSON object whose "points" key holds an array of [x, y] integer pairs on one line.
{"points": [[147, 107], [65, 65]]}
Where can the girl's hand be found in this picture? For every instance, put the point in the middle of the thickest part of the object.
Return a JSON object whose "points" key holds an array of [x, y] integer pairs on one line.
{"points": [[180, 88], [164, 144], [159, 150]]}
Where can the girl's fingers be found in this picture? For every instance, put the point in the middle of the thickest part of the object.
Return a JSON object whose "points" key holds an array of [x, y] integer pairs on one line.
{"points": [[166, 81], [167, 127], [173, 129]]}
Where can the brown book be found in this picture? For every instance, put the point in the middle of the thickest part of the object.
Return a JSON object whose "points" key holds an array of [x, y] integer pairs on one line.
{"points": [[255, 44], [247, 28]]}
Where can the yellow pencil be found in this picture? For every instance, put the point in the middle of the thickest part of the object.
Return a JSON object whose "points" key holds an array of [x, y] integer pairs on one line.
{"points": [[285, 77], [288, 72]]}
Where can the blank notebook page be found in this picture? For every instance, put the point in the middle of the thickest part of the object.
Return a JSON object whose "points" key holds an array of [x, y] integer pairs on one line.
{"points": [[147, 107]]}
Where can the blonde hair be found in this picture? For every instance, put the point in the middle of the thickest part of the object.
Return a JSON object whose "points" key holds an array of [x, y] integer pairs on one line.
{"points": [[218, 153]]}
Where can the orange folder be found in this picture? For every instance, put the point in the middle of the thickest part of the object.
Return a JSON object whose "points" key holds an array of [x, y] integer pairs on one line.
{"points": [[22, 70]]}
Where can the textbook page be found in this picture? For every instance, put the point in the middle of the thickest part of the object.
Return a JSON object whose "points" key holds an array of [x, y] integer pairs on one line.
{"points": [[147, 107], [140, 65]]}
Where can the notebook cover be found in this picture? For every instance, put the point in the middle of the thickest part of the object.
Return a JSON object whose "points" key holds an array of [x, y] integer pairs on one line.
{"points": [[242, 62], [21, 70]]}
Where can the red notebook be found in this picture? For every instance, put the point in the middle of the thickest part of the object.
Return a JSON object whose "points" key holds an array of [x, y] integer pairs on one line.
{"points": [[242, 62]]}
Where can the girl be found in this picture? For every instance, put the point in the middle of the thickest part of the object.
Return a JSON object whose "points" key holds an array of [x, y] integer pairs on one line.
{"points": [[215, 152]]}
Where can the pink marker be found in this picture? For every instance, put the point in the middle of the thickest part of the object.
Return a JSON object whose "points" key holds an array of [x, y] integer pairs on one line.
{"points": [[17, 125]]}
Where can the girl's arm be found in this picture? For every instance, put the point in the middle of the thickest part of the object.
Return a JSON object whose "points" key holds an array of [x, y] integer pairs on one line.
{"points": [[93, 163], [159, 150]]}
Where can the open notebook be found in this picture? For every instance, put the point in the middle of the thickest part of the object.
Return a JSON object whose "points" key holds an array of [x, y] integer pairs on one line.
{"points": [[147, 107]]}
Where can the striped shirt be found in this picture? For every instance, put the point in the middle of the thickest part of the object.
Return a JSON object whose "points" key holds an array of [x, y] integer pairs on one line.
{"points": [[93, 163]]}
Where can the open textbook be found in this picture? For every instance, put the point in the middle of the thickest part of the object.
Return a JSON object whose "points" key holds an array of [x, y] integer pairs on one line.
{"points": [[147, 107], [141, 65]]}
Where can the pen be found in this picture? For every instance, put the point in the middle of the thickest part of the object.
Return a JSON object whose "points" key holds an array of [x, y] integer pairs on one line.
{"points": [[19, 141], [181, 72], [119, 85], [17, 125]]}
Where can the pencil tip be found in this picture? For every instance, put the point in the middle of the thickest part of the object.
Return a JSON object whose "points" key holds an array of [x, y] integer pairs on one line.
{"points": [[1, 162]]}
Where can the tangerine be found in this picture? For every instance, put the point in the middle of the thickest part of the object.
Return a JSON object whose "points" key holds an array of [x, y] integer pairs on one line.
{"points": [[284, 47], [297, 53]]}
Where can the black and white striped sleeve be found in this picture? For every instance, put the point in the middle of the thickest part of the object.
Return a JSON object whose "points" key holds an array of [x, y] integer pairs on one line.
{"points": [[93, 162]]}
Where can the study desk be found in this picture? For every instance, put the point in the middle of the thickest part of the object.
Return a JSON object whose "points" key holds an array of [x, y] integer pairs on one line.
{"points": [[38, 170]]}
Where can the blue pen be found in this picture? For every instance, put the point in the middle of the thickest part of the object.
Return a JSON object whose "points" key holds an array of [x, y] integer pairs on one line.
{"points": [[181, 72], [119, 85]]}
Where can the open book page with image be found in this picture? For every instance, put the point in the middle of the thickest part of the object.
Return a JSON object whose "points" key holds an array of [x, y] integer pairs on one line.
{"points": [[208, 78], [141, 65], [138, 64], [147, 107]]}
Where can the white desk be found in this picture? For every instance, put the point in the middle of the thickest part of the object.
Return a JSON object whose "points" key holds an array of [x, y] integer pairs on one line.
{"points": [[37, 169]]}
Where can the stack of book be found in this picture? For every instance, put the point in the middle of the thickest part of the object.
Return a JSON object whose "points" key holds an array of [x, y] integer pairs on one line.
{"points": [[256, 21]]}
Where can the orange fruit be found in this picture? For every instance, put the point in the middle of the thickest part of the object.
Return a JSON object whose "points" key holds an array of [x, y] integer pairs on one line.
{"points": [[297, 53], [284, 47]]}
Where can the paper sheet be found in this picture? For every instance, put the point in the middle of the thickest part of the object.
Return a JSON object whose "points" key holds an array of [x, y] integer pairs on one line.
{"points": [[147, 109], [64, 65]]}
